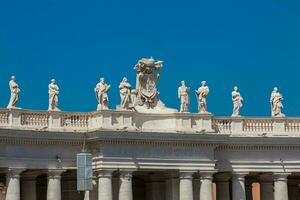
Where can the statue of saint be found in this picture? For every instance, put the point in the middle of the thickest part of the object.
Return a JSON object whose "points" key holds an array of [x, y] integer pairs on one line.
{"points": [[276, 103], [238, 101], [53, 96], [14, 93], [202, 94], [183, 95], [125, 94], [101, 91]]}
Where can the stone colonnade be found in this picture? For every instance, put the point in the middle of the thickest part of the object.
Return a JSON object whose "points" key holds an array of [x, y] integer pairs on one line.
{"points": [[272, 186]]}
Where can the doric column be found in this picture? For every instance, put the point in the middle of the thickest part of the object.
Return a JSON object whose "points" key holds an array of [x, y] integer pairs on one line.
{"points": [[186, 185], [125, 186], [172, 188], [266, 187], [223, 189], [54, 184], [206, 191], [13, 184], [238, 186], [105, 185], [28, 182], [280, 186]]}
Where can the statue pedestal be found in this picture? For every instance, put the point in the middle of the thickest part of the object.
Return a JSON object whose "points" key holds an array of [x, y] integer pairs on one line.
{"points": [[159, 108]]}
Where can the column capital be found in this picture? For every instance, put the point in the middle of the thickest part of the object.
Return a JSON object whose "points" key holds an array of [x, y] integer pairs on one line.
{"points": [[186, 174], [14, 172], [222, 177], [55, 173], [105, 173], [239, 176], [207, 175], [281, 176], [126, 174]]}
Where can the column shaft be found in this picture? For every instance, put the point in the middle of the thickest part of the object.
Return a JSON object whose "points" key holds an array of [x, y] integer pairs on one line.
{"points": [[238, 187], [206, 191], [54, 185], [186, 186], [281, 186], [223, 189], [172, 189], [13, 184], [105, 185], [125, 187], [266, 187]]}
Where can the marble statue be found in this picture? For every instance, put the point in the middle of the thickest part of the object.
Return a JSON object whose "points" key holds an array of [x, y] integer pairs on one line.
{"points": [[14, 93], [101, 91], [238, 101], [147, 96], [276, 103], [183, 95], [125, 94], [202, 94], [53, 96]]}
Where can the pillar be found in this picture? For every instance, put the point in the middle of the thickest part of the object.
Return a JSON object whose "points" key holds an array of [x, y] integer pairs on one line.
{"points": [[28, 183], [186, 185], [238, 186], [281, 186], [13, 184], [125, 186], [105, 185], [172, 188], [206, 190], [223, 189], [266, 187], [54, 184]]}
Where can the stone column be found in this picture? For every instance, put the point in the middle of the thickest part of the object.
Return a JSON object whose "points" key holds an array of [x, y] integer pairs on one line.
{"points": [[54, 184], [238, 186], [223, 189], [280, 186], [105, 185], [13, 184], [206, 190], [125, 186], [28, 183], [172, 188], [186, 185], [266, 187]]}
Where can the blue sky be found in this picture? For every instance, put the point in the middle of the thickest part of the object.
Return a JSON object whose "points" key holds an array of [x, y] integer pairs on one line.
{"points": [[253, 44]]}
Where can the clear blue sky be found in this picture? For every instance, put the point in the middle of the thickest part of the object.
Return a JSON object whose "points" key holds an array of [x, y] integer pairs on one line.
{"points": [[253, 44]]}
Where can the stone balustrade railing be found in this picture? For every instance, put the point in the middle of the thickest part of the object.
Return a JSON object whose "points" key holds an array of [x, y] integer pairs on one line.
{"points": [[146, 122]]}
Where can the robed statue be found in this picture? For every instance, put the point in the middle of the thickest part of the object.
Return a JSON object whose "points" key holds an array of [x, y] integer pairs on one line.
{"points": [[276, 103], [101, 91], [237, 101], [14, 93], [201, 95], [183, 95], [53, 91], [125, 94]]}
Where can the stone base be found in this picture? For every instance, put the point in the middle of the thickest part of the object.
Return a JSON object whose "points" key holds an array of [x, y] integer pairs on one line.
{"points": [[159, 108]]}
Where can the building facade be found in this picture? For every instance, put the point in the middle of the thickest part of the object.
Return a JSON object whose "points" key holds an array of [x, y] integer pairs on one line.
{"points": [[148, 156]]}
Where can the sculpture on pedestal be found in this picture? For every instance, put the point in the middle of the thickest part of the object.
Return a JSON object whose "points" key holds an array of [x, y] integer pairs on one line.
{"points": [[125, 94], [276, 103], [238, 101], [101, 91], [202, 94], [183, 95], [14, 93], [53, 96], [147, 96]]}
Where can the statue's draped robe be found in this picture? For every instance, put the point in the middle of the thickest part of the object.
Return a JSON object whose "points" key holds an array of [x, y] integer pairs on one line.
{"points": [[53, 96], [101, 93], [202, 96], [183, 94], [125, 94], [14, 91], [237, 103], [276, 103]]}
